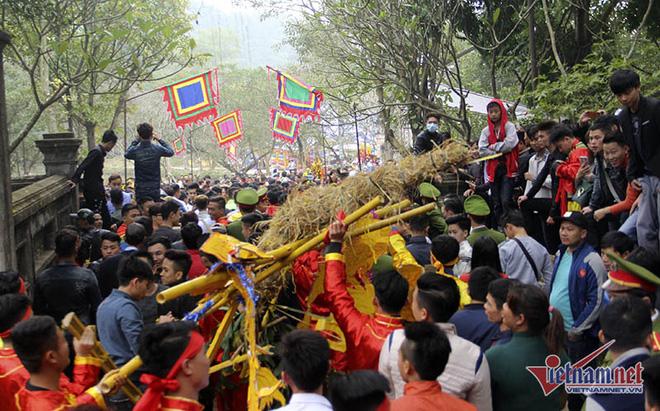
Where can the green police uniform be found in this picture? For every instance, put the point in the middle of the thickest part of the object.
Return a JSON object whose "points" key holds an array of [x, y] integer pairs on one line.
{"points": [[477, 206], [437, 223]]}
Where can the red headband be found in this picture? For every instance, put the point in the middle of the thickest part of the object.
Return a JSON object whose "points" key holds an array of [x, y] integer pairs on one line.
{"points": [[27, 315], [157, 386]]}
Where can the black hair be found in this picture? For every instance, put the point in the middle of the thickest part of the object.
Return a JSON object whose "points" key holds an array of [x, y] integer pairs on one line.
{"points": [[274, 196], [32, 338], [618, 241], [145, 131], [427, 348], [454, 204], [359, 390], [135, 234], [493, 104], [617, 138], [10, 282], [305, 358], [65, 242], [252, 218], [627, 320], [147, 223], [128, 207], [113, 177], [193, 186], [133, 267], [439, 295], [116, 196], [445, 248], [608, 124], [182, 261], [461, 221], [623, 80], [499, 289], [168, 208], [479, 219], [110, 236], [190, 235], [201, 202], [651, 377], [145, 255], [246, 209], [485, 253], [546, 125], [219, 200], [530, 301], [160, 240], [560, 131], [144, 200], [109, 137], [189, 217], [480, 279], [391, 291], [12, 309], [419, 223], [429, 115], [161, 345], [513, 217], [155, 210]]}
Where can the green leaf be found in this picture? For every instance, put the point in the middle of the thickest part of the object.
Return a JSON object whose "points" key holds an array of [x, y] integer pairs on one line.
{"points": [[496, 15]]}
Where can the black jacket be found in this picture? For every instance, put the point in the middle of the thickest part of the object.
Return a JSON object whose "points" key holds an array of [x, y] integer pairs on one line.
{"points": [[92, 167], [644, 151], [426, 141], [65, 287]]}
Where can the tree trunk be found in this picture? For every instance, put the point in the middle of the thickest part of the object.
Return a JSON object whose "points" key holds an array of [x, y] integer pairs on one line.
{"points": [[533, 61], [386, 124], [493, 68], [582, 38]]}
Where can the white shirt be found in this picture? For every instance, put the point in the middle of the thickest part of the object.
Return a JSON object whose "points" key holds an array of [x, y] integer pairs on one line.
{"points": [[307, 402], [536, 163], [466, 375], [465, 259]]}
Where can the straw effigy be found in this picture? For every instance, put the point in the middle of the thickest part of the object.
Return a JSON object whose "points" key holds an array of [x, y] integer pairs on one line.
{"points": [[307, 213]]}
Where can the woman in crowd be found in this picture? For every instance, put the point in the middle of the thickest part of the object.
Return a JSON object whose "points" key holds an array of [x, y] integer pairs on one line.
{"points": [[495, 299]]}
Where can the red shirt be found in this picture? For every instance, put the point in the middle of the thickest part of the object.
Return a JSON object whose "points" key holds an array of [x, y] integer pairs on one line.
{"points": [[197, 268], [365, 334], [428, 395]]}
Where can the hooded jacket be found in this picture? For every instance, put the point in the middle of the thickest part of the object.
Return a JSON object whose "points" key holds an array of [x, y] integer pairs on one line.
{"points": [[503, 140]]}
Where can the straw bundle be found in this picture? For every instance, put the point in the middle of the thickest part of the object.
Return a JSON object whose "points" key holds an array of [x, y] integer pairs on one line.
{"points": [[309, 212]]}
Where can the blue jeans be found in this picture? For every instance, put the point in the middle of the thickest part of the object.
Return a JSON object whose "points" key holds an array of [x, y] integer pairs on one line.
{"points": [[501, 190], [629, 227], [649, 214]]}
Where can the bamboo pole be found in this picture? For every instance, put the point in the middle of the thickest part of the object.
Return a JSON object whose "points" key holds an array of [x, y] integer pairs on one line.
{"points": [[125, 370], [392, 220], [214, 346], [238, 359], [396, 207], [310, 244], [195, 286], [75, 327]]}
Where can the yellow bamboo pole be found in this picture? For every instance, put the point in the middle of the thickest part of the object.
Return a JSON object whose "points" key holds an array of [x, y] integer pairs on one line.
{"points": [[195, 286], [238, 359], [310, 244], [392, 220], [220, 332], [392, 208], [125, 371]]}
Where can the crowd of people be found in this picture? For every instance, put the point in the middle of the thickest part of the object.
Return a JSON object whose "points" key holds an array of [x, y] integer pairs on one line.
{"points": [[551, 253]]}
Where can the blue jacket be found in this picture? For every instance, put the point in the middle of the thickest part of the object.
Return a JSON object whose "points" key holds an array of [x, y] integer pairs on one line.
{"points": [[420, 248], [119, 324], [586, 277], [146, 155]]}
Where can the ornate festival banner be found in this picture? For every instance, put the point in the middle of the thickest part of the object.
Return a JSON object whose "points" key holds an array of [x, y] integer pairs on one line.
{"points": [[192, 100], [297, 98], [285, 126], [179, 145], [228, 128]]}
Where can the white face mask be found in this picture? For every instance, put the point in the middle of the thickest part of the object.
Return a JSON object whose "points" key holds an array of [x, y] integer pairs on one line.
{"points": [[431, 127]]}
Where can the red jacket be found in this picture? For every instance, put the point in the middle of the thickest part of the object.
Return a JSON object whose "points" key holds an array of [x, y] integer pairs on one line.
{"points": [[365, 334], [427, 395], [71, 394], [510, 158], [566, 173], [197, 268]]}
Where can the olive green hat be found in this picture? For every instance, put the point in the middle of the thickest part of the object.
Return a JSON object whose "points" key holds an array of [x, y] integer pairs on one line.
{"points": [[476, 205], [428, 190], [247, 196]]}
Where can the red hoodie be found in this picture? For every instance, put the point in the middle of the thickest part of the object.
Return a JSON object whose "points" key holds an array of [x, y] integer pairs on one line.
{"points": [[510, 158]]}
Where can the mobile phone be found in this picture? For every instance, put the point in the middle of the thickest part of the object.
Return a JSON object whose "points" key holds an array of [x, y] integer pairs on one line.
{"points": [[584, 160]]}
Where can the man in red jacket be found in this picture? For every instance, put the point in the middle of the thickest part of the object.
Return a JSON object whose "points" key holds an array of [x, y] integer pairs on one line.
{"points": [[365, 334], [562, 137]]}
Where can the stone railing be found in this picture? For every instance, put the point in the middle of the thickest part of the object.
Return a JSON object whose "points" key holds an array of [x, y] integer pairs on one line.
{"points": [[40, 210]]}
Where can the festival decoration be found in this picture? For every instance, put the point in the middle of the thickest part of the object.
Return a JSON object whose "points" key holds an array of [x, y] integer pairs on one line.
{"points": [[179, 145], [192, 100], [285, 127], [228, 129], [297, 98], [279, 158]]}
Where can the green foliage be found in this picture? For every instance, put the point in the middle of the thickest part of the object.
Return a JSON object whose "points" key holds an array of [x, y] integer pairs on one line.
{"points": [[586, 85]]}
